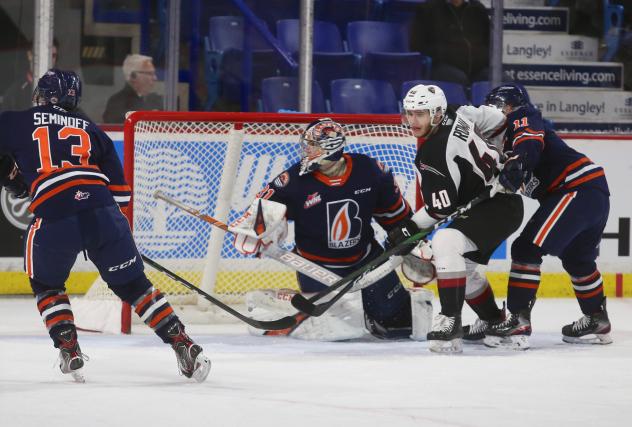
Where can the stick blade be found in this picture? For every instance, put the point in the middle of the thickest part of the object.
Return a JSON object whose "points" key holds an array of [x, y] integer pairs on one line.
{"points": [[302, 304]]}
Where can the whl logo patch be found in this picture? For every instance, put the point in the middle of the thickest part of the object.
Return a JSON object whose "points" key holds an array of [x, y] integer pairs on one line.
{"points": [[343, 225], [312, 200], [80, 195]]}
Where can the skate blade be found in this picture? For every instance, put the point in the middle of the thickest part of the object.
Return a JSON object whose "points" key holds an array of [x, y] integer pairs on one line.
{"points": [[202, 368], [477, 341], [589, 339], [446, 347], [78, 376], [514, 342]]}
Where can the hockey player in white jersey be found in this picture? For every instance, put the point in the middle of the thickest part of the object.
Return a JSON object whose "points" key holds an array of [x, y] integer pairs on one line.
{"points": [[455, 165]]}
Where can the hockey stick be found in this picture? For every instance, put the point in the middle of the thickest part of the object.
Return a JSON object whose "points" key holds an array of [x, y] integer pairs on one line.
{"points": [[274, 252], [307, 306], [283, 323]]}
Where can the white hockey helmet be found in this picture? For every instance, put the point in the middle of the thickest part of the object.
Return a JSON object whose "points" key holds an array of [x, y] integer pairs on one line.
{"points": [[426, 97]]}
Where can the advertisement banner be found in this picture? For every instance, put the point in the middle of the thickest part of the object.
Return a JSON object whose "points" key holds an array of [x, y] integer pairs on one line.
{"points": [[583, 106], [549, 19], [552, 48], [516, 3], [602, 75]]}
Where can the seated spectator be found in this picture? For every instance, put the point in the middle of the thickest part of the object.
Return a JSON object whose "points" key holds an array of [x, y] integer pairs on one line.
{"points": [[137, 94], [455, 33], [19, 95]]}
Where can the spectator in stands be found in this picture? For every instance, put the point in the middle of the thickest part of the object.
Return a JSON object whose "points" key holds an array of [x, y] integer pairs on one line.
{"points": [[455, 33], [140, 77], [19, 95]]}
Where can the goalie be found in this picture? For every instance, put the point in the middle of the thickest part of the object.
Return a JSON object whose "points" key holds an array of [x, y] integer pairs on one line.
{"points": [[332, 197]]}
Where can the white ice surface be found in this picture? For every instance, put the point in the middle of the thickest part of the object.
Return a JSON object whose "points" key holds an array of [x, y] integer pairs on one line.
{"points": [[262, 381]]}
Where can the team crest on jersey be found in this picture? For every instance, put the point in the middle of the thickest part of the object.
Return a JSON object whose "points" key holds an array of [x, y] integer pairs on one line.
{"points": [[80, 195], [345, 228], [282, 180], [312, 200]]}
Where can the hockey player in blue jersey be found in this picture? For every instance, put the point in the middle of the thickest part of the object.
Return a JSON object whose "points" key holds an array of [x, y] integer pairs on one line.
{"points": [[332, 198], [69, 168], [574, 204]]}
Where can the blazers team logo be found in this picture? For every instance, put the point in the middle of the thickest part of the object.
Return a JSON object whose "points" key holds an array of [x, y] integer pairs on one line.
{"points": [[343, 225]]}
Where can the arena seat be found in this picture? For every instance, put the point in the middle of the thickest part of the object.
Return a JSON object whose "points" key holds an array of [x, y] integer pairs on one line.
{"points": [[363, 96], [281, 93]]}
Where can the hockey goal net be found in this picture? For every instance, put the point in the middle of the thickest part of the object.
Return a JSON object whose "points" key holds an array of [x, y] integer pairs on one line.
{"points": [[216, 163]]}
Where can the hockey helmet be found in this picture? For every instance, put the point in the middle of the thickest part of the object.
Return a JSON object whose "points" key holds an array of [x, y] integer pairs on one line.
{"points": [[511, 94], [323, 139], [58, 87], [426, 97]]}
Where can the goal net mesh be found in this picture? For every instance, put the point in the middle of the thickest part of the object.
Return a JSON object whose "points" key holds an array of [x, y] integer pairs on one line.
{"points": [[217, 166]]}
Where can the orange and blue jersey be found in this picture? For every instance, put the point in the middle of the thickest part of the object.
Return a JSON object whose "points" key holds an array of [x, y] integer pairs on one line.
{"points": [[69, 164], [332, 216], [554, 166]]}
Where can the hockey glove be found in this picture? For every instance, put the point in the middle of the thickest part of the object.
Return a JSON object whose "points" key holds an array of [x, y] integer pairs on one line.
{"points": [[402, 231], [513, 174], [11, 178]]}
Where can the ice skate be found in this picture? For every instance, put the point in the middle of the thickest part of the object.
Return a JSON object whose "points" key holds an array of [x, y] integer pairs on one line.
{"points": [[446, 334], [192, 363], [475, 333], [513, 333], [592, 329], [70, 356]]}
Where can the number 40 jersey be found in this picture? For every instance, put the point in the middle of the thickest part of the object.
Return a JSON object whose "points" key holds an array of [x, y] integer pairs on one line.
{"points": [[68, 163], [454, 164]]}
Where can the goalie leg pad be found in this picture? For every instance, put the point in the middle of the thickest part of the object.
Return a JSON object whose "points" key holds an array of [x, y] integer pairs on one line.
{"points": [[421, 307], [344, 321]]}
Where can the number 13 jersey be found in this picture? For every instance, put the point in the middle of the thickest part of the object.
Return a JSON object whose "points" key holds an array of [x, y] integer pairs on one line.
{"points": [[68, 163]]}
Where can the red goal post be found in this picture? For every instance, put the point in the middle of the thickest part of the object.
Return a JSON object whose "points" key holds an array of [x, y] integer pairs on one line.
{"points": [[217, 162]]}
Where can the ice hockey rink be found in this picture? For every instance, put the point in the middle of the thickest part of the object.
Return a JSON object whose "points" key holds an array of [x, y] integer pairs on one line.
{"points": [[265, 381]]}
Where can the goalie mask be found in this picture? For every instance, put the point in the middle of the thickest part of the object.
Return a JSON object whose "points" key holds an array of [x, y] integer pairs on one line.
{"points": [[323, 140]]}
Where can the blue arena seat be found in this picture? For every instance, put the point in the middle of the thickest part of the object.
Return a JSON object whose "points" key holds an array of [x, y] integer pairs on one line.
{"points": [[326, 36], [454, 92], [281, 93], [396, 68], [400, 10], [376, 36], [333, 66], [363, 96], [341, 12], [227, 32], [479, 91]]}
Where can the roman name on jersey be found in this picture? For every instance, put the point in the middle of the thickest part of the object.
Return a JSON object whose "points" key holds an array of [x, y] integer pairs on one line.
{"points": [[343, 224], [461, 129], [41, 118]]}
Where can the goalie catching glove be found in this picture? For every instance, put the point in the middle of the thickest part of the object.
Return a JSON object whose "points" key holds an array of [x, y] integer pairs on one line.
{"points": [[417, 265], [263, 223]]}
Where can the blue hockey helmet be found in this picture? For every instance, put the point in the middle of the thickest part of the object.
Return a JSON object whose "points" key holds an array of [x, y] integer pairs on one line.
{"points": [[58, 87], [514, 95]]}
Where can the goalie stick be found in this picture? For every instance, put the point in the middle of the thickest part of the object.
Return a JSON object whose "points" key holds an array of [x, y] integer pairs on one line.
{"points": [[283, 323], [307, 306], [274, 252]]}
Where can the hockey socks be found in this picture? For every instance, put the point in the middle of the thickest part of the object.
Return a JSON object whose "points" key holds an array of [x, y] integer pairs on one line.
{"points": [[484, 304], [451, 292], [589, 292], [54, 307], [153, 308], [524, 280]]}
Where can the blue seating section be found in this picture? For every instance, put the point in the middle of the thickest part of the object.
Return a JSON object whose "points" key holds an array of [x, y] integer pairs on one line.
{"points": [[326, 36], [376, 36], [363, 96], [281, 93]]}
